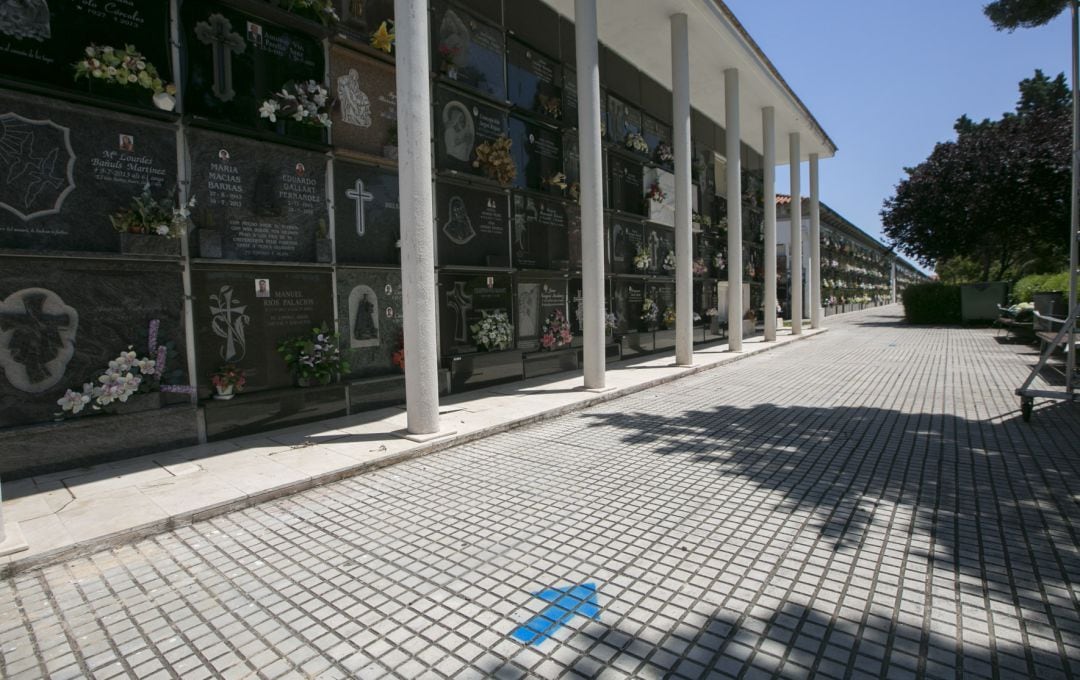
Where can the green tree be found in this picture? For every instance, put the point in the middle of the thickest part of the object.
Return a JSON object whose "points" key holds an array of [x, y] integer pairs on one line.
{"points": [[998, 194], [1008, 15]]}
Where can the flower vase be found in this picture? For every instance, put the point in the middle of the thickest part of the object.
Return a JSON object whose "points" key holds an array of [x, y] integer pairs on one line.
{"points": [[224, 393]]}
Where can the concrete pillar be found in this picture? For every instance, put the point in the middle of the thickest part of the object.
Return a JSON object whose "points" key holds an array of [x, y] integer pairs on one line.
{"points": [[684, 238], [815, 245], [768, 120], [417, 220], [796, 256], [592, 197], [734, 208]]}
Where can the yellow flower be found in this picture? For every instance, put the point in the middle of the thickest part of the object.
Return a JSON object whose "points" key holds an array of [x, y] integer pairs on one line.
{"points": [[383, 39]]}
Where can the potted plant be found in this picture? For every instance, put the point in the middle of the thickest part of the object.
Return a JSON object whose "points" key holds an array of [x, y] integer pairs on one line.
{"points": [[390, 149], [314, 359], [228, 380], [495, 160], [151, 226], [556, 332], [493, 331]]}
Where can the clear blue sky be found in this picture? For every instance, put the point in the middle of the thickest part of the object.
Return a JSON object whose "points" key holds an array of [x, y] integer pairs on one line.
{"points": [[888, 78]]}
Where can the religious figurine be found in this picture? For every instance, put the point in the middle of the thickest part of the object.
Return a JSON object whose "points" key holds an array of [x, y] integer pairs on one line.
{"points": [[355, 105], [365, 327], [459, 132]]}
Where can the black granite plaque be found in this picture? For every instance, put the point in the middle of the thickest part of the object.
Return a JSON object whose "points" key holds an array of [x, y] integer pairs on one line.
{"points": [[365, 107], [625, 238], [540, 233], [41, 43], [66, 169], [536, 300], [461, 124], [467, 50], [535, 82], [62, 321], [658, 136], [625, 179], [572, 163], [573, 235], [463, 298], [361, 18], [623, 120], [472, 226], [234, 62], [370, 319], [660, 245], [263, 201], [570, 97], [242, 314], [367, 215], [537, 152], [628, 297]]}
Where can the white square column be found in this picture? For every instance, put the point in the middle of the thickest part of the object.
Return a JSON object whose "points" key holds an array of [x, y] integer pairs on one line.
{"points": [[417, 219], [768, 119], [796, 255], [816, 312], [592, 197], [684, 238], [734, 208]]}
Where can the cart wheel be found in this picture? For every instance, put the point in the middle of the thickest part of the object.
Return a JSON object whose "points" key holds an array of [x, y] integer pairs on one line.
{"points": [[1026, 407]]}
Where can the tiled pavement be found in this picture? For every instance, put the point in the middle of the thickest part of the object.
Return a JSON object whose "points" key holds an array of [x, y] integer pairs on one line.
{"points": [[864, 504]]}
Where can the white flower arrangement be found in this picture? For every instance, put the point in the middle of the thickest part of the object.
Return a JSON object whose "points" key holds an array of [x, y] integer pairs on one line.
{"points": [[147, 215], [670, 262], [493, 331], [664, 153], [323, 9], [306, 103], [711, 312], [718, 260], [635, 142], [641, 260], [125, 67], [611, 322], [650, 312], [118, 382]]}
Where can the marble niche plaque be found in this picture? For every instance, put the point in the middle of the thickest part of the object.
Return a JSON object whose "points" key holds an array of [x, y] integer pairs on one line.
{"points": [[40, 43], [472, 226], [625, 179], [534, 82], [66, 169], [62, 321], [537, 152], [625, 237], [236, 61], [463, 298], [370, 319], [540, 233], [461, 124], [536, 300], [663, 211], [242, 314], [467, 50], [367, 214], [256, 201], [365, 109]]}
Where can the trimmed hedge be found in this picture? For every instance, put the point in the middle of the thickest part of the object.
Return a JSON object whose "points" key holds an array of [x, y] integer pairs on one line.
{"points": [[1026, 287], [932, 303]]}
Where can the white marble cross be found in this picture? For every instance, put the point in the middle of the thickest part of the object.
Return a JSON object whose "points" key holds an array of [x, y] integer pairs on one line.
{"points": [[360, 196]]}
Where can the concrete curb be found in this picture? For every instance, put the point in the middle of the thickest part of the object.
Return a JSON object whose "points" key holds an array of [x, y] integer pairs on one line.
{"points": [[132, 534]]}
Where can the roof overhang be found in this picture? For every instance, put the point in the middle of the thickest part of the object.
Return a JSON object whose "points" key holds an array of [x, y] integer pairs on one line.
{"points": [[640, 33]]}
